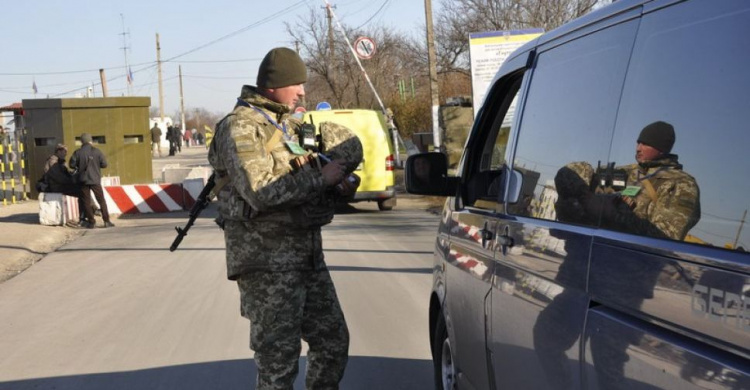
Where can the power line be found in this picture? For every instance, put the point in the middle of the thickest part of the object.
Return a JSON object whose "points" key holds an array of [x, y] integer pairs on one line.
{"points": [[151, 65], [374, 15], [252, 25], [67, 71], [215, 77], [719, 217], [217, 40], [216, 61]]}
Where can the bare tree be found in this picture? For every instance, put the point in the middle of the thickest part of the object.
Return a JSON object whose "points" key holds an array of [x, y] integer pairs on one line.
{"points": [[198, 117], [336, 77], [456, 19]]}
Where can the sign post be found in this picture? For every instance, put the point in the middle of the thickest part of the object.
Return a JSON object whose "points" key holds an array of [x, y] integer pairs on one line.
{"points": [[365, 48], [488, 51]]}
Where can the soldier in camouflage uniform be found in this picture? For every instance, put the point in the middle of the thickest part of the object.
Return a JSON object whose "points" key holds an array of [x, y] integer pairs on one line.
{"points": [[273, 251], [661, 200]]}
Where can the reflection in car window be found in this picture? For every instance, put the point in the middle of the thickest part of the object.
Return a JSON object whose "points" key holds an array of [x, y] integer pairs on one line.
{"points": [[483, 188], [680, 77], [569, 114], [501, 142]]}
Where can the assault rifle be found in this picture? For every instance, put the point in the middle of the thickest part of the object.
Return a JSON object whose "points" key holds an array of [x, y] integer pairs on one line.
{"points": [[200, 204]]}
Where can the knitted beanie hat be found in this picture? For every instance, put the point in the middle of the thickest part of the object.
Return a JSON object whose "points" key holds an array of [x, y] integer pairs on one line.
{"points": [[659, 135], [281, 67]]}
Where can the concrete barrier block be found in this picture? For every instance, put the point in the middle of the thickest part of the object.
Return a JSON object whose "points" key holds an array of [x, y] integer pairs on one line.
{"points": [[175, 174], [200, 173], [56, 209], [51, 209]]}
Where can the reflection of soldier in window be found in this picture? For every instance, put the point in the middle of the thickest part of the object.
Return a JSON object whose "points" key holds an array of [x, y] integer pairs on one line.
{"points": [[559, 325], [654, 197], [660, 200]]}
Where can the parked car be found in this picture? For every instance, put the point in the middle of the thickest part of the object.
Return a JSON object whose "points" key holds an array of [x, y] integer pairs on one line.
{"points": [[564, 262], [376, 171]]}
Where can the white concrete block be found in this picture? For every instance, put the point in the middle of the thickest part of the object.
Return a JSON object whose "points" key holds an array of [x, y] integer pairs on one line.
{"points": [[51, 209], [56, 209]]}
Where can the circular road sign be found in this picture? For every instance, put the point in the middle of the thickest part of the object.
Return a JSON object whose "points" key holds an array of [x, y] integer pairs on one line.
{"points": [[323, 106], [364, 47], [299, 110]]}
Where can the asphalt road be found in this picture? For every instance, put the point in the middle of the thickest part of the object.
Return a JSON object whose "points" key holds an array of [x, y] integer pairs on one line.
{"points": [[115, 309]]}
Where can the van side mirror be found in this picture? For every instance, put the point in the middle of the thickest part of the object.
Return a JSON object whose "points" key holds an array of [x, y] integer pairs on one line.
{"points": [[427, 174], [516, 184]]}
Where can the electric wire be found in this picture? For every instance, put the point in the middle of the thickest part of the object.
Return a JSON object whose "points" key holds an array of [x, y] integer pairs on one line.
{"points": [[374, 15], [171, 59]]}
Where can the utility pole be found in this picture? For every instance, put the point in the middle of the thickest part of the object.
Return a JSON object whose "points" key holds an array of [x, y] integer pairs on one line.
{"points": [[103, 79], [329, 15], [161, 87], [182, 102], [742, 222], [125, 49], [433, 74], [331, 57], [304, 100]]}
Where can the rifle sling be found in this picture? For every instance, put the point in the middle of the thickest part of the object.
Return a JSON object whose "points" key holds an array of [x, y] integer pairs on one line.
{"points": [[650, 191], [275, 138]]}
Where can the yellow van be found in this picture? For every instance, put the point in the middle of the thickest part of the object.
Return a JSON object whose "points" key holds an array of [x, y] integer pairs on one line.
{"points": [[376, 169]]}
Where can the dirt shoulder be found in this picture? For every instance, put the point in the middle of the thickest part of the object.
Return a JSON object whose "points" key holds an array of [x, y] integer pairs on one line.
{"points": [[23, 241]]}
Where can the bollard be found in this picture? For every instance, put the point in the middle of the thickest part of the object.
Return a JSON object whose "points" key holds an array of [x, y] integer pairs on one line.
{"points": [[2, 169], [12, 177], [12, 174], [22, 173]]}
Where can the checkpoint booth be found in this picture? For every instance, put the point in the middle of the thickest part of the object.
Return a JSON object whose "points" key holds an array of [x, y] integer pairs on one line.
{"points": [[118, 126]]}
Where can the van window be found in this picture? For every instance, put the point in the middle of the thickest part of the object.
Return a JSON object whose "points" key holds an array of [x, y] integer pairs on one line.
{"points": [[683, 75], [568, 120], [484, 184]]}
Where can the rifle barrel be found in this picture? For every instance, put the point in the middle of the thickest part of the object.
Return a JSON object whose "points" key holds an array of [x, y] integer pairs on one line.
{"points": [[200, 204]]}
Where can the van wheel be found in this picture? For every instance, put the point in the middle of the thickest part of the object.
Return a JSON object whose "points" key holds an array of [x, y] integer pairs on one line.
{"points": [[442, 358], [387, 204]]}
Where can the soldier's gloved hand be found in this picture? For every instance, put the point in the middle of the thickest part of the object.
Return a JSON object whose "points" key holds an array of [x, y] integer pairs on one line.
{"points": [[333, 173], [349, 185], [601, 205]]}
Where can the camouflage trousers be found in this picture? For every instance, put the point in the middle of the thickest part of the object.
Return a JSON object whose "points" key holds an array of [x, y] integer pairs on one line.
{"points": [[284, 307]]}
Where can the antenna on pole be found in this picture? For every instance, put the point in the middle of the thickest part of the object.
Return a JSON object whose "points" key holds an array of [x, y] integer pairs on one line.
{"points": [[125, 49]]}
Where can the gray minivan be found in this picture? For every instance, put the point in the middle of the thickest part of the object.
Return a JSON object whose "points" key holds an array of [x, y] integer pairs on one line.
{"points": [[599, 241]]}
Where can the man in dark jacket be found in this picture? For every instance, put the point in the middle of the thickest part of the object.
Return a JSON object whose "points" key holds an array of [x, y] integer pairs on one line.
{"points": [[60, 179], [88, 161], [170, 139], [155, 140]]}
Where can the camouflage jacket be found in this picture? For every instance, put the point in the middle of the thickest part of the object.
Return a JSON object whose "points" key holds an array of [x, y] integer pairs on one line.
{"points": [[262, 189], [670, 211]]}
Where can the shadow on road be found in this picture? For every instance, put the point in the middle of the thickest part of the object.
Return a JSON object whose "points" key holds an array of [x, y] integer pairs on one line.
{"points": [[362, 373], [27, 218]]}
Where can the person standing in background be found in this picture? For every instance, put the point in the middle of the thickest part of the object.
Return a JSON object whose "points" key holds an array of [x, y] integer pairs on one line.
{"points": [[60, 179], [88, 162], [155, 139]]}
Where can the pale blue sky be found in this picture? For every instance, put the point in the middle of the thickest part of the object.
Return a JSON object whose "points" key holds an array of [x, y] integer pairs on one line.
{"points": [[60, 45]]}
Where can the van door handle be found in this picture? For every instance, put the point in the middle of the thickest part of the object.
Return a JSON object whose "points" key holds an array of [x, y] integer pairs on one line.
{"points": [[505, 240], [487, 235]]}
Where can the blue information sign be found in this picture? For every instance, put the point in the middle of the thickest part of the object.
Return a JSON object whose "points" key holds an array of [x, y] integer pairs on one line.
{"points": [[323, 106]]}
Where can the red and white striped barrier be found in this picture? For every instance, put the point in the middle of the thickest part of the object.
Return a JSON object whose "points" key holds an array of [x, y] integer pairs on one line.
{"points": [[147, 198]]}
